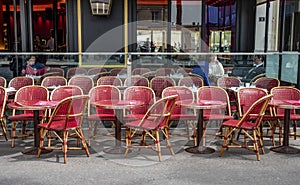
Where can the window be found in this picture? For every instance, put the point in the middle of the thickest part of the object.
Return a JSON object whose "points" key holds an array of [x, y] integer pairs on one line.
{"points": [[155, 16]]}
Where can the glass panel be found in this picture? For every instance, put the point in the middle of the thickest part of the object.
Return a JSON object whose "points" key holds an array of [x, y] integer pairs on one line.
{"points": [[151, 26], [186, 24], [272, 66], [289, 68]]}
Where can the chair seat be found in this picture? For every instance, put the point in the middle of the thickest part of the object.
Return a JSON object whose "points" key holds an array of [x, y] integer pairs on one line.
{"points": [[133, 117], [245, 125], [23, 117], [183, 117], [99, 117], [60, 125], [217, 117], [147, 125]]}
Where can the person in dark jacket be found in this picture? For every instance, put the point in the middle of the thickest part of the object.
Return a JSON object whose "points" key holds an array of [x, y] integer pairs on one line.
{"points": [[34, 67], [199, 71], [256, 70]]}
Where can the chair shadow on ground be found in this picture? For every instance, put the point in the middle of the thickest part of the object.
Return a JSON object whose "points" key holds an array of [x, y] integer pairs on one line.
{"points": [[53, 156]]}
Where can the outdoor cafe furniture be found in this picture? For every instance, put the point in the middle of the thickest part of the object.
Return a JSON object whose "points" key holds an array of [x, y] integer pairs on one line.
{"points": [[118, 106], [200, 106], [86, 83], [3, 98], [287, 93], [36, 105], [75, 70], [159, 83], [154, 121], [136, 81], [98, 114], [249, 127], [2, 82], [66, 117], [53, 81], [22, 101], [267, 83], [179, 113], [139, 93], [246, 96]]}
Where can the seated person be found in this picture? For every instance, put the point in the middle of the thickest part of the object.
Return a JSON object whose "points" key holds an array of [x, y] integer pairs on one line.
{"points": [[256, 70], [215, 71], [34, 67], [198, 71]]}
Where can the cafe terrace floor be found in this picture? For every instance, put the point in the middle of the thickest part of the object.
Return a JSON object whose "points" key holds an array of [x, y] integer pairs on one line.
{"points": [[236, 166]]}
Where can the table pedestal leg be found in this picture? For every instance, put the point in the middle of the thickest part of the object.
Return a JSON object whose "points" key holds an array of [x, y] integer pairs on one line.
{"points": [[117, 149], [200, 149], [34, 150], [285, 148]]}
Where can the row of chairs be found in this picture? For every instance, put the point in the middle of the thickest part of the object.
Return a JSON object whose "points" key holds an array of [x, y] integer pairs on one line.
{"points": [[119, 71], [243, 96]]}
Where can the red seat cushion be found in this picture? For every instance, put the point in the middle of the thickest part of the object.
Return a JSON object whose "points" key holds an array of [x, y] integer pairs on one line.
{"points": [[104, 117], [59, 125]]}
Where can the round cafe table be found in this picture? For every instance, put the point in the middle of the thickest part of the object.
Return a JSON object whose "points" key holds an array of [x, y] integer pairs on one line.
{"points": [[36, 106], [287, 105], [201, 149], [118, 106]]}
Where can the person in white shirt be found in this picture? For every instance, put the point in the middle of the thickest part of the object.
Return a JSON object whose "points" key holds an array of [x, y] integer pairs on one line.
{"points": [[50, 43], [216, 70]]}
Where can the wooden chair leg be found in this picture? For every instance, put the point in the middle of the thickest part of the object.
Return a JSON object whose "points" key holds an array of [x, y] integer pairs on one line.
{"points": [[255, 145], [295, 129], [13, 133], [83, 142], [3, 125], [166, 132], [224, 145], [128, 140], [65, 146], [157, 144], [42, 136]]}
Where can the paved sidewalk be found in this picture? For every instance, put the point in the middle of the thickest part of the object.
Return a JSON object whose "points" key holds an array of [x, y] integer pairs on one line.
{"points": [[237, 166]]}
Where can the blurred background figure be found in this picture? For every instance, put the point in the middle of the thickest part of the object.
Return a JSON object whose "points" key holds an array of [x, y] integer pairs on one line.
{"points": [[34, 67], [215, 70]]}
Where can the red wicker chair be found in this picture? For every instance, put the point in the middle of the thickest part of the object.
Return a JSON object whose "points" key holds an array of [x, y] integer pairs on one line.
{"points": [[184, 70], [58, 71], [179, 113], [54, 81], [156, 119], [97, 114], [63, 92], [267, 83], [3, 98], [213, 93], [140, 71], [249, 128], [20, 81], [159, 83], [75, 71], [26, 93], [246, 97], [2, 82], [139, 93], [227, 83], [72, 111], [117, 71], [84, 82], [137, 81], [190, 81], [109, 80], [164, 71], [287, 93], [94, 71]]}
